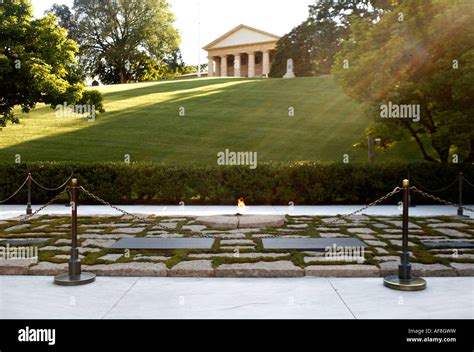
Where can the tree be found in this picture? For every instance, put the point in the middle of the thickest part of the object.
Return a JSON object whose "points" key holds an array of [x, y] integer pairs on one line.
{"points": [[144, 68], [66, 19], [37, 61], [420, 55], [314, 43], [118, 39]]}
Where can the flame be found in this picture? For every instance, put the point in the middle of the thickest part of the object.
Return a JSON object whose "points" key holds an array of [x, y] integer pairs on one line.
{"points": [[241, 203]]}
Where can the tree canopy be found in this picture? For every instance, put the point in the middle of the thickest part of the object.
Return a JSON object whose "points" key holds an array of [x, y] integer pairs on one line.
{"points": [[314, 43], [122, 40], [419, 54], [37, 61]]}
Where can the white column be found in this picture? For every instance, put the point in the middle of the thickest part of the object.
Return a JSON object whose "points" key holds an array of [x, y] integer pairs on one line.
{"points": [[210, 67], [224, 66], [218, 69], [237, 65], [251, 65], [266, 63]]}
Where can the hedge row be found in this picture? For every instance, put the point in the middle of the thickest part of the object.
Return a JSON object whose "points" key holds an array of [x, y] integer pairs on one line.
{"points": [[269, 184]]}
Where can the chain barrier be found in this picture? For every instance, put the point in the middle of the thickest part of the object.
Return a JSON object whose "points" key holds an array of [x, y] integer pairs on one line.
{"points": [[136, 217], [14, 194], [154, 222], [378, 201], [440, 200], [39, 185], [52, 189], [26, 218], [467, 181], [456, 181]]}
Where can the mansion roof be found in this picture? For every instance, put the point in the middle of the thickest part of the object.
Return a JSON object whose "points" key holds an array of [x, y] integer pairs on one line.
{"points": [[240, 36]]}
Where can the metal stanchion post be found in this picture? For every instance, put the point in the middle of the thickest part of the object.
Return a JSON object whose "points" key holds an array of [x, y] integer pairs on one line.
{"points": [[404, 281], [460, 207], [29, 211], [75, 276], [410, 196]]}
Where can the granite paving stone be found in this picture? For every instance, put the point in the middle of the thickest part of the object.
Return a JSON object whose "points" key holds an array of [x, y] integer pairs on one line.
{"points": [[332, 235], [298, 226], [448, 225], [193, 268], [129, 230], [48, 269], [350, 270], [97, 243], [375, 243], [239, 255], [157, 258], [194, 228], [111, 257], [464, 269], [363, 230], [260, 269], [17, 227], [128, 269], [15, 266], [237, 242], [454, 233]]}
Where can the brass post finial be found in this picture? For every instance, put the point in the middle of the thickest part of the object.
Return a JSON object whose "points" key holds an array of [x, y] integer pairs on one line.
{"points": [[74, 182], [406, 183]]}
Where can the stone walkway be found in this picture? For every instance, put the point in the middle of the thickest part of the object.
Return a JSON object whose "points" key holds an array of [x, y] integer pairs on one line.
{"points": [[436, 245], [11, 211], [23, 297]]}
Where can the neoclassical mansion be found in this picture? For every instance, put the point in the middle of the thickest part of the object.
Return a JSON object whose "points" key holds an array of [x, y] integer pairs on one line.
{"points": [[242, 52]]}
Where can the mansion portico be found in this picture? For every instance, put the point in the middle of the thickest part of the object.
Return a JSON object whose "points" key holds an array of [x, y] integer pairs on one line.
{"points": [[242, 52]]}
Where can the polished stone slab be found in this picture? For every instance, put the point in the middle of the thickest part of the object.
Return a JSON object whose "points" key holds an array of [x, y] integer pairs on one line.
{"points": [[23, 241], [312, 244], [448, 244], [164, 243]]}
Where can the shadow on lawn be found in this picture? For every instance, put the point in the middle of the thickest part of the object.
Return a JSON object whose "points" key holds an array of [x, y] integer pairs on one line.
{"points": [[167, 87], [109, 130]]}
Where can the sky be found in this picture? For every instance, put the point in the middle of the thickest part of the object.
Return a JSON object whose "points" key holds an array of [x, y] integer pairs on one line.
{"points": [[219, 16]]}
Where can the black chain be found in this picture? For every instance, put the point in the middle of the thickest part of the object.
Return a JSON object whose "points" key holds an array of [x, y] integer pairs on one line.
{"points": [[26, 218], [437, 190], [138, 218], [467, 181], [150, 221], [440, 200], [51, 189], [14, 194], [378, 201]]}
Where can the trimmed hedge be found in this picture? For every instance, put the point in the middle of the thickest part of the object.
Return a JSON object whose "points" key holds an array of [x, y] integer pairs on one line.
{"points": [[269, 184]]}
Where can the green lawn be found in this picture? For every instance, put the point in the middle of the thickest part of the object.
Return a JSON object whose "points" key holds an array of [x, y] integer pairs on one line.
{"points": [[236, 114]]}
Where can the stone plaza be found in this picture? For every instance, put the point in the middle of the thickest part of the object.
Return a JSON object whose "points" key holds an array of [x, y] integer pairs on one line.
{"points": [[439, 246]]}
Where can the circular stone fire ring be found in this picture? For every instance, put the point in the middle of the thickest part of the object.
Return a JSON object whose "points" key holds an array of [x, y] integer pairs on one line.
{"points": [[241, 221]]}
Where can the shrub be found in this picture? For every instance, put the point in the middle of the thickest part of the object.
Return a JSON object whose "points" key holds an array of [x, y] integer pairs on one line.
{"points": [[93, 97], [269, 184]]}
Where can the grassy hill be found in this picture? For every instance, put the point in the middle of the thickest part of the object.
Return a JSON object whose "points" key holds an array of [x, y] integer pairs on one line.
{"points": [[236, 114]]}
